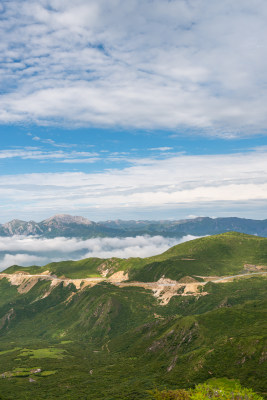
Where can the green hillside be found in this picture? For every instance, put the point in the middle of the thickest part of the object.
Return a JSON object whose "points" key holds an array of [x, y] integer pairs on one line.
{"points": [[231, 246], [111, 343], [224, 254], [86, 268]]}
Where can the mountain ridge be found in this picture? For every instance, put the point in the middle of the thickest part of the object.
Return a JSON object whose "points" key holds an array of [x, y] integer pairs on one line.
{"points": [[76, 226]]}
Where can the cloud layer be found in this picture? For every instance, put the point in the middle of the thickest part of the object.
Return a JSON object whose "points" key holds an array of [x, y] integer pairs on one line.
{"points": [[27, 251], [181, 181], [139, 64]]}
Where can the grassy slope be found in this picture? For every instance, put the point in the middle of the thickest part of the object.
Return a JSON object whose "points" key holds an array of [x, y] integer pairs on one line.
{"points": [[114, 332], [86, 268], [223, 254]]}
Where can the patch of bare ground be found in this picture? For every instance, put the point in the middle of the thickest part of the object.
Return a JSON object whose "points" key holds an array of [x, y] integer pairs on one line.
{"points": [[25, 283], [164, 289], [119, 276], [46, 273], [108, 267], [53, 284], [7, 317], [104, 269], [68, 299], [254, 268], [157, 316]]}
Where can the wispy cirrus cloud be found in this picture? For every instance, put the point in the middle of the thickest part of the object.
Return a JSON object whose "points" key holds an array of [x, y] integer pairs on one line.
{"points": [[52, 142], [57, 156], [161, 148], [138, 64]]}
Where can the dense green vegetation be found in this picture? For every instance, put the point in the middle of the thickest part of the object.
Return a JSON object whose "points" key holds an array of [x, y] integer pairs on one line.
{"points": [[116, 343], [220, 389], [224, 254]]}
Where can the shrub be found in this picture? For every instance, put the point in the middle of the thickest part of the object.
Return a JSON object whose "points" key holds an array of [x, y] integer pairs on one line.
{"points": [[208, 392], [179, 394]]}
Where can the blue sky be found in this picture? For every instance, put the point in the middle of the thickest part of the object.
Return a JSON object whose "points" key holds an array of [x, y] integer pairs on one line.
{"points": [[140, 109]]}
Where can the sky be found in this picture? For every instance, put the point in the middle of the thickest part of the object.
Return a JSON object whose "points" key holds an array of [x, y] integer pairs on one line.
{"points": [[152, 109]]}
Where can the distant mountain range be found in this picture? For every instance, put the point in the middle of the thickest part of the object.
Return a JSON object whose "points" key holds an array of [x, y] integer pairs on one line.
{"points": [[74, 226]]}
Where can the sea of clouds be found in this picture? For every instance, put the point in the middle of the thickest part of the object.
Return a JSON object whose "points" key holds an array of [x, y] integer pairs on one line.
{"points": [[25, 251]]}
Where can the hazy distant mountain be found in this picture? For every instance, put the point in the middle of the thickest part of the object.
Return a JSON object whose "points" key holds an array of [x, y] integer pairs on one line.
{"points": [[74, 226]]}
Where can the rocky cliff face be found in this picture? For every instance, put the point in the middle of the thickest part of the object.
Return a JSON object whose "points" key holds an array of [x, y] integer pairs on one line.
{"points": [[18, 227]]}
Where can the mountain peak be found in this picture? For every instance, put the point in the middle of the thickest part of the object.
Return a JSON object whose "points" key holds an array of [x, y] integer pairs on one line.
{"points": [[66, 219]]}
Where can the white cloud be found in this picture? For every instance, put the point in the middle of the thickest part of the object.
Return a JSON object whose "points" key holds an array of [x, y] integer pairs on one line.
{"points": [[23, 260], [161, 148], [53, 143], [138, 63], [80, 160], [59, 156], [148, 184], [27, 251]]}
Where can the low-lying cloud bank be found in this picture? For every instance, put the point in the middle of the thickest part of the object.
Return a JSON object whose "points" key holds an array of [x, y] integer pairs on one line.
{"points": [[27, 251]]}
